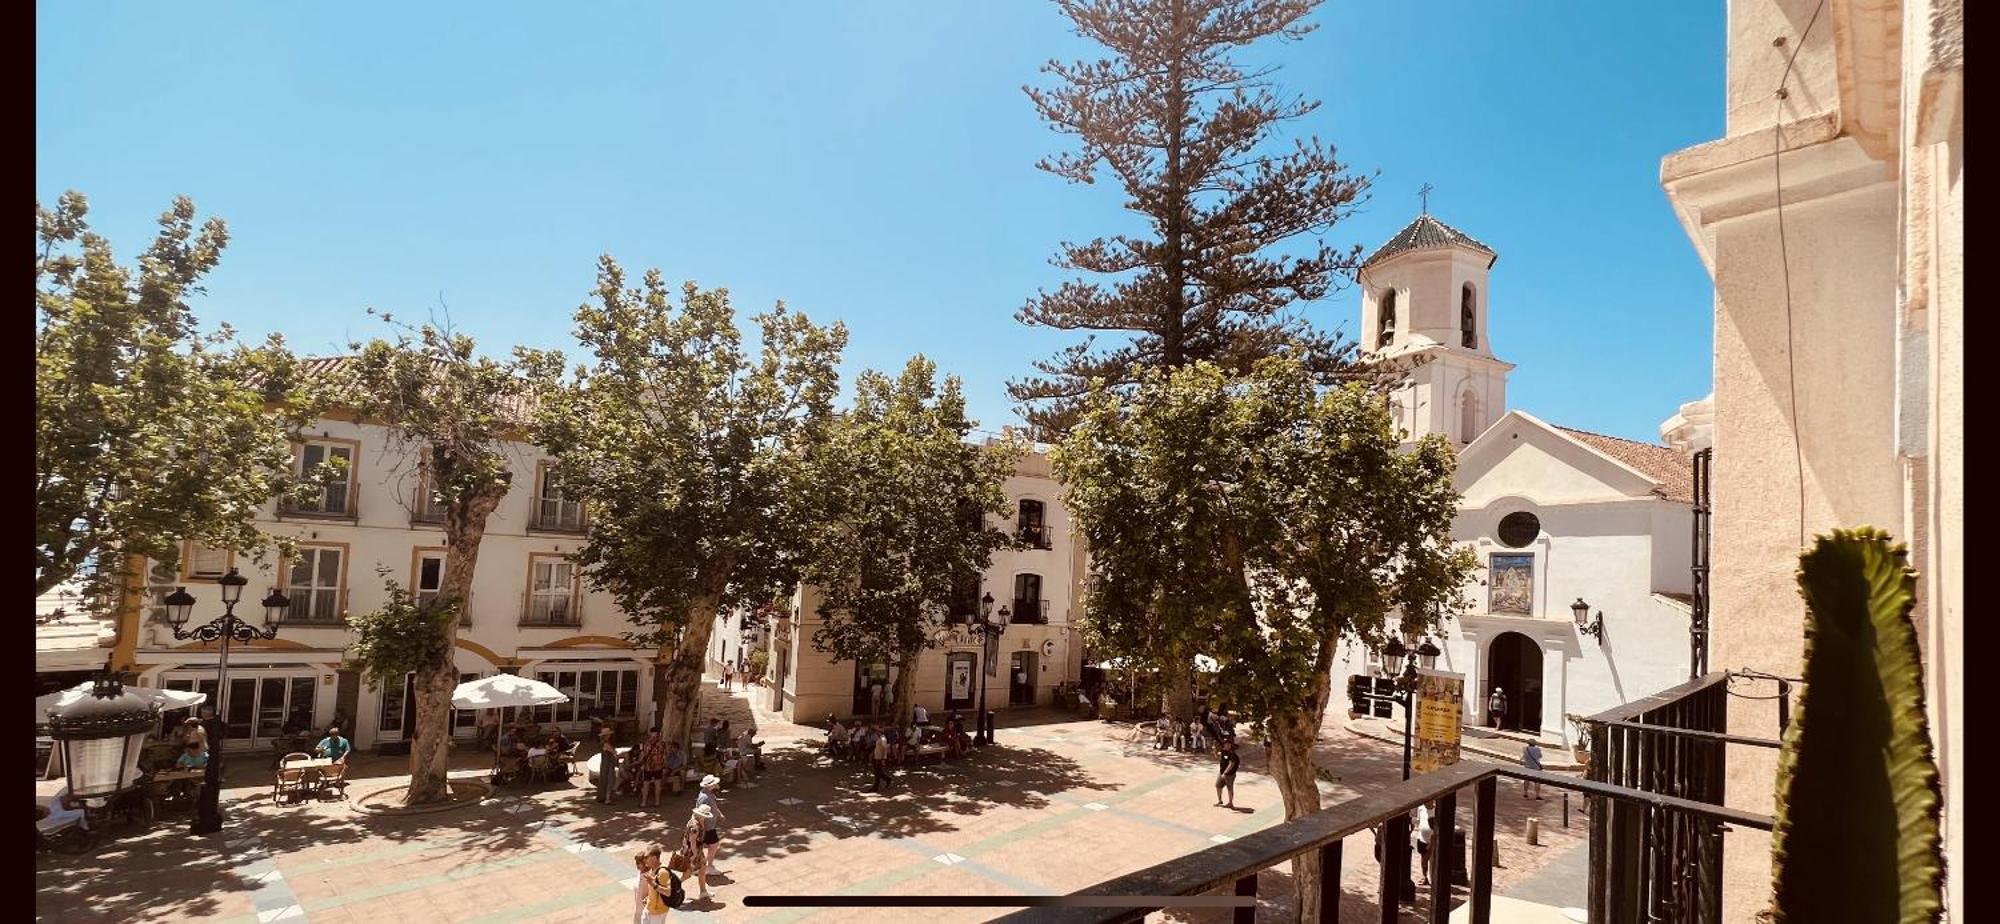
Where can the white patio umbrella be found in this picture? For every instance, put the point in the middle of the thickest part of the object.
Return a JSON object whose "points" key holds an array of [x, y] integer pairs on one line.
{"points": [[501, 691], [165, 699]]}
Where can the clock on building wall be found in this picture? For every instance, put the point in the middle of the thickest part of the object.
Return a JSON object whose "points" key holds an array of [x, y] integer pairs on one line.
{"points": [[1048, 648]]}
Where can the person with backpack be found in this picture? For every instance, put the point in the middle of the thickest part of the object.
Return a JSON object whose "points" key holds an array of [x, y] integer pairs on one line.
{"points": [[660, 886]]}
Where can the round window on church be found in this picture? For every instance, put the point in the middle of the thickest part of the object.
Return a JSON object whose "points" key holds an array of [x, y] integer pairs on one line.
{"points": [[1519, 529]]}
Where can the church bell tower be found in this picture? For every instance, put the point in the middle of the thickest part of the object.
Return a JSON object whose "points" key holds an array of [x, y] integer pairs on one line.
{"points": [[1424, 300]]}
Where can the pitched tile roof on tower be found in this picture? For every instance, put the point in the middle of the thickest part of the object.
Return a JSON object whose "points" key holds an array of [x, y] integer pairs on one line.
{"points": [[1660, 463], [1427, 233]]}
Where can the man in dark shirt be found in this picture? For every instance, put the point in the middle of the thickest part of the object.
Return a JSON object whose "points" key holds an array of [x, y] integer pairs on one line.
{"points": [[208, 811]]}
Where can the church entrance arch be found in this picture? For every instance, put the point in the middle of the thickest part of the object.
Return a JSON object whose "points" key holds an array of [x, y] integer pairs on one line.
{"points": [[1514, 664]]}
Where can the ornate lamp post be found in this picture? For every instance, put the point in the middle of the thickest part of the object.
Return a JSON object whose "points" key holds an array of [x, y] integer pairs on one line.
{"points": [[101, 737], [1400, 667], [1585, 625], [225, 628], [989, 628]]}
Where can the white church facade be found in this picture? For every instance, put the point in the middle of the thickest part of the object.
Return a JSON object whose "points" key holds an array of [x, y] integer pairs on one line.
{"points": [[1554, 515]]}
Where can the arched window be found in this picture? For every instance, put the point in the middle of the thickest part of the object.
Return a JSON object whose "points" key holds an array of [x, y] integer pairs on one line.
{"points": [[1467, 311], [1468, 417], [1388, 314]]}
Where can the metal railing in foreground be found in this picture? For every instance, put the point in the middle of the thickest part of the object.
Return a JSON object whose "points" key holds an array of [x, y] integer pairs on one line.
{"points": [[1235, 865]]}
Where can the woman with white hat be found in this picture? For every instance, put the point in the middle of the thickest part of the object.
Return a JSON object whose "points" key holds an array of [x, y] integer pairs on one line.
{"points": [[710, 812], [694, 840]]}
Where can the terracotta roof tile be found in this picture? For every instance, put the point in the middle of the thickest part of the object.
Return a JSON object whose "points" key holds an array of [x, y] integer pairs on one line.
{"points": [[518, 409], [1665, 466], [1427, 233]]}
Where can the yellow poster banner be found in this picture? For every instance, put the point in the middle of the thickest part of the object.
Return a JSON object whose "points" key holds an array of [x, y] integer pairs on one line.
{"points": [[1440, 705]]}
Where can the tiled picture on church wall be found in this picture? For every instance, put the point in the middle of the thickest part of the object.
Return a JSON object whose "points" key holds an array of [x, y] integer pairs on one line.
{"points": [[1512, 584]]}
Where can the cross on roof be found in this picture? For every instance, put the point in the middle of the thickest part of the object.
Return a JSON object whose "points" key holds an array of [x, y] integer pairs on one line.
{"points": [[1424, 196]]}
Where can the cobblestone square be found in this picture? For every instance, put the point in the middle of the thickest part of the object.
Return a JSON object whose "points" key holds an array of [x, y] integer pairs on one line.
{"points": [[1059, 804]]}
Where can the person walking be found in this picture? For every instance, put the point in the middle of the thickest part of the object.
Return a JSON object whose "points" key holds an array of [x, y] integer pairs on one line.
{"points": [[652, 767], [1225, 778], [1531, 759], [879, 758], [1496, 708], [648, 905], [607, 766], [710, 811], [1422, 834], [693, 844]]}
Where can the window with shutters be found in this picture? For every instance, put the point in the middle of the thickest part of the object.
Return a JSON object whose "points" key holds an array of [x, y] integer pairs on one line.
{"points": [[555, 512], [330, 464], [315, 580], [205, 562], [552, 592]]}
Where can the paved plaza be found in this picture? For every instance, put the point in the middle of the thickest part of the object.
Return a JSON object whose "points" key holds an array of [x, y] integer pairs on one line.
{"points": [[1059, 804]]}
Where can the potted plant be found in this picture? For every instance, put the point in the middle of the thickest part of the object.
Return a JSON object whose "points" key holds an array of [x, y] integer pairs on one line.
{"points": [[1579, 749]]}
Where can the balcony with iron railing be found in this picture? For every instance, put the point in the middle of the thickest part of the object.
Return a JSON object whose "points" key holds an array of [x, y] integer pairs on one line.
{"points": [[551, 611], [426, 509], [315, 606], [335, 501], [1036, 535], [1032, 612], [557, 516], [1654, 819]]}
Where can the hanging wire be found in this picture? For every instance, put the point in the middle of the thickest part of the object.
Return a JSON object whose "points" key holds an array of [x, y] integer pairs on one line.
{"points": [[1785, 263]]}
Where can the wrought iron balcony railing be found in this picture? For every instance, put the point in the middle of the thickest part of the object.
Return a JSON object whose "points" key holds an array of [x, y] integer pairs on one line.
{"points": [[1032, 612], [1036, 535], [1233, 867]]}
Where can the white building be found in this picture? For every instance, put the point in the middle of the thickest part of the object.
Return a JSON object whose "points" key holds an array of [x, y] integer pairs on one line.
{"points": [[1039, 651], [1554, 515], [528, 612]]}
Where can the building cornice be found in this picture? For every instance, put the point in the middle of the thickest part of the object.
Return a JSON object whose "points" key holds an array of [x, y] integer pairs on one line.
{"points": [[1733, 178]]}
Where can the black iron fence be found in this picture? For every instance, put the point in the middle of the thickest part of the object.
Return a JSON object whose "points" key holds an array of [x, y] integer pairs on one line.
{"points": [[1650, 862], [1233, 867]]}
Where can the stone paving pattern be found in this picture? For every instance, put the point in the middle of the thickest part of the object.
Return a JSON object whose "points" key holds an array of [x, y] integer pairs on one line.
{"points": [[1060, 804]]}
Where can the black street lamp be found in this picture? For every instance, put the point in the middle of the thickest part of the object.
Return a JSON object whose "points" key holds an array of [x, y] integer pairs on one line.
{"points": [[989, 628], [1399, 666], [208, 813]]}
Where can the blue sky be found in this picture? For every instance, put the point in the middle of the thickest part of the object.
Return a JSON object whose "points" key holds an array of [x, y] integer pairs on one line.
{"points": [[869, 161]]}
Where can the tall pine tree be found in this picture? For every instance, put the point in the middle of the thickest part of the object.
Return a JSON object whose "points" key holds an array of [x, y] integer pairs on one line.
{"points": [[1185, 131]]}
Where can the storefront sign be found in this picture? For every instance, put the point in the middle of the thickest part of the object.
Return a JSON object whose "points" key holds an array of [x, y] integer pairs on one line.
{"points": [[1440, 704], [961, 679]]}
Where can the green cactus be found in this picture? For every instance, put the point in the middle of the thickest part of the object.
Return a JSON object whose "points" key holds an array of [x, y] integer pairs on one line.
{"points": [[1858, 799]]}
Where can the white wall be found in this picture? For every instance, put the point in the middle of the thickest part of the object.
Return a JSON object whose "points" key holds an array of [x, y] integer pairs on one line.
{"points": [[381, 537], [1604, 538]]}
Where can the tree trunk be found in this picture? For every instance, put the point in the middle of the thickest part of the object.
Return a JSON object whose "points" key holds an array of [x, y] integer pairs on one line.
{"points": [[678, 693], [1179, 695], [904, 708], [1291, 762], [430, 738]]}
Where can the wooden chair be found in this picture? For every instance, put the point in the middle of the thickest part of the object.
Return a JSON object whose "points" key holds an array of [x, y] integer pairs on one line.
{"points": [[541, 767], [291, 780], [334, 777]]}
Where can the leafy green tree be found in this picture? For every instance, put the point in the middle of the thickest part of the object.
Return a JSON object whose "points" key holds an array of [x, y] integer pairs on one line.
{"points": [[148, 432], [690, 451], [1260, 520], [457, 410], [1232, 221], [900, 528]]}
